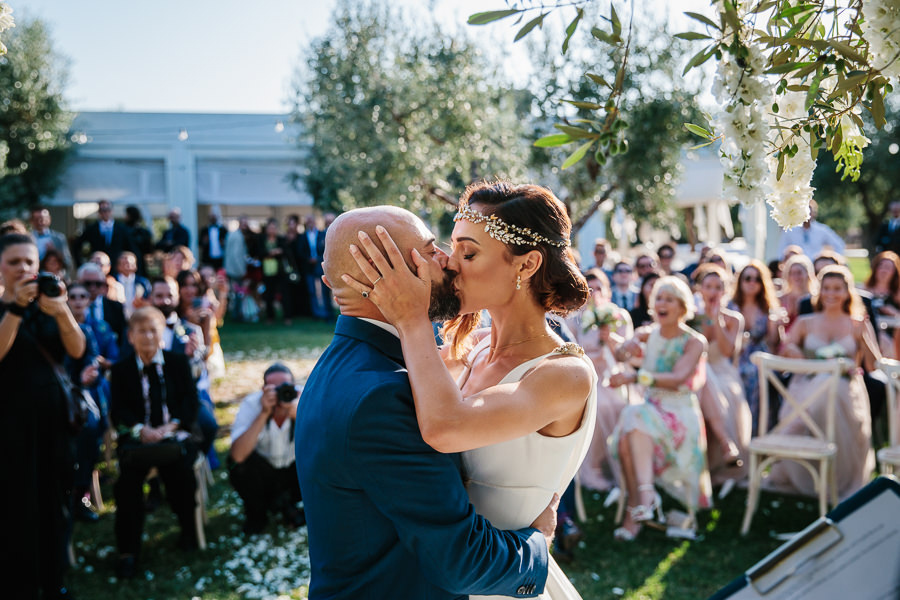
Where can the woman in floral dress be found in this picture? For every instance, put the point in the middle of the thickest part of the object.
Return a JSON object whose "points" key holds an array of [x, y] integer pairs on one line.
{"points": [[663, 440]]}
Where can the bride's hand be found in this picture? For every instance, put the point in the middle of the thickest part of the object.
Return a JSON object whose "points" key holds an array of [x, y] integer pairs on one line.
{"points": [[401, 295]]}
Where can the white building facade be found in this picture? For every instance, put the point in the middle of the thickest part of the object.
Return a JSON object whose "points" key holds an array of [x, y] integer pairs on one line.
{"points": [[229, 163]]}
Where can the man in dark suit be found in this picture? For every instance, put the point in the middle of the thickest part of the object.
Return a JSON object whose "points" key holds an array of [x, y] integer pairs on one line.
{"points": [[388, 516], [888, 237], [106, 235], [310, 250], [176, 235], [153, 406], [101, 308], [212, 242]]}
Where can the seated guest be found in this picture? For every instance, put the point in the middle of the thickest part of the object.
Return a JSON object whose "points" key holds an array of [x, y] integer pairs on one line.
{"points": [[640, 314], [102, 351], [644, 263], [836, 328], [261, 461], [601, 327], [662, 440], [176, 260], [102, 308], [884, 286], [666, 254], [135, 287], [114, 289], [754, 297], [183, 337], [622, 293], [798, 283], [153, 406], [722, 400], [53, 262]]}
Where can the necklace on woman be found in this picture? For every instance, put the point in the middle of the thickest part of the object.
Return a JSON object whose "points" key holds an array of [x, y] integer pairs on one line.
{"points": [[504, 346]]}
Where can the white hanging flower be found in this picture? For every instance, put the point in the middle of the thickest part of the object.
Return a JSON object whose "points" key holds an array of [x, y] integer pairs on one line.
{"points": [[791, 194], [744, 92], [6, 22], [881, 28]]}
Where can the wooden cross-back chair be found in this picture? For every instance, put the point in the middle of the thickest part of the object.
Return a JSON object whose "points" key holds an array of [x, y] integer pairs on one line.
{"points": [[815, 450], [889, 457]]}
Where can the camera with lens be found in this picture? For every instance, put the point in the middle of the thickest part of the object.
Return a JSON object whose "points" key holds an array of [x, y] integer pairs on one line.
{"points": [[48, 285], [286, 393]]}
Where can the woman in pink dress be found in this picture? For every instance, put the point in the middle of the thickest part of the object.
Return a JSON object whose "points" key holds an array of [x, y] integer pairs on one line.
{"points": [[836, 328]]}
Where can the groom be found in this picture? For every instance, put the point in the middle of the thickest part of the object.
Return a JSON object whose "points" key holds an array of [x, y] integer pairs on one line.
{"points": [[388, 516]]}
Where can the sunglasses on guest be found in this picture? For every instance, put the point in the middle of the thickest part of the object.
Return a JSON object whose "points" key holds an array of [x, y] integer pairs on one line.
{"points": [[90, 284], [751, 278]]}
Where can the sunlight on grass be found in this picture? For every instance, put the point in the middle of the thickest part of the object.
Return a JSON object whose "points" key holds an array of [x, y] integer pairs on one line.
{"points": [[654, 586]]}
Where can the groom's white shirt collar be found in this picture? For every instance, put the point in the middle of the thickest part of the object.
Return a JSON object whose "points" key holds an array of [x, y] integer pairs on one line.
{"points": [[386, 326]]}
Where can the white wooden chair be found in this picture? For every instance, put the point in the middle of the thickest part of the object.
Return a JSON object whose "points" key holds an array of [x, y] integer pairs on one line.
{"points": [[816, 452], [889, 457]]}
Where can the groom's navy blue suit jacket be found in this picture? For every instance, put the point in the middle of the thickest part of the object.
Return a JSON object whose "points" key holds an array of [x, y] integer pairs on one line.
{"points": [[388, 516]]}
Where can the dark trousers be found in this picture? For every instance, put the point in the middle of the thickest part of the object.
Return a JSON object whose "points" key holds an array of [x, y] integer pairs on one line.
{"points": [[262, 487], [274, 286], [177, 475]]}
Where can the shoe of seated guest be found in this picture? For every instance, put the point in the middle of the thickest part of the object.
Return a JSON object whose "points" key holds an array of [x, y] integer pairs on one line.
{"points": [[644, 512], [624, 534], [731, 454]]}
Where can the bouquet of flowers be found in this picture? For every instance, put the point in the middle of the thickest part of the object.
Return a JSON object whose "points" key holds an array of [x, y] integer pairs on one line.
{"points": [[833, 350], [595, 317]]}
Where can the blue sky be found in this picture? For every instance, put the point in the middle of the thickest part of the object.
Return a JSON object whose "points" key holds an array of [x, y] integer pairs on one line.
{"points": [[200, 55]]}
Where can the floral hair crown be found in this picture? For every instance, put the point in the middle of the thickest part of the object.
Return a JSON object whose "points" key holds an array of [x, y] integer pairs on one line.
{"points": [[505, 232]]}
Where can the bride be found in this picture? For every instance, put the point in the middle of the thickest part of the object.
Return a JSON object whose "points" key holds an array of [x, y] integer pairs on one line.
{"points": [[513, 399]]}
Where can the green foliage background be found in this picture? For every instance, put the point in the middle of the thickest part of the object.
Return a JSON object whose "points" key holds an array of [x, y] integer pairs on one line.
{"points": [[33, 120]]}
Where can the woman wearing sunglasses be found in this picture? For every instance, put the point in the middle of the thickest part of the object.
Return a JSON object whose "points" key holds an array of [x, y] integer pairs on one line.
{"points": [[755, 297]]}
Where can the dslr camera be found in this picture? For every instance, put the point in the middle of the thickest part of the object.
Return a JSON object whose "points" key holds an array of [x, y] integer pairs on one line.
{"points": [[48, 285], [287, 393]]}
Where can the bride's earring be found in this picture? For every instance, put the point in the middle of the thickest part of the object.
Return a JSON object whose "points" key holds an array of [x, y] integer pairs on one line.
{"points": [[518, 282]]}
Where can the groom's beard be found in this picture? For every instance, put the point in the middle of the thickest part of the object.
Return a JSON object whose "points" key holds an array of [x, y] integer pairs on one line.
{"points": [[444, 303]]}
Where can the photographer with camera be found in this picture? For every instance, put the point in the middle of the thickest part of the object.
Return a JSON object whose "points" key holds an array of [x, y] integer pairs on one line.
{"points": [[37, 331], [261, 461]]}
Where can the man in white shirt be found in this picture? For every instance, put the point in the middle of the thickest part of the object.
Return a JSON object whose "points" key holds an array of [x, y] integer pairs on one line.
{"points": [[261, 460], [812, 236]]}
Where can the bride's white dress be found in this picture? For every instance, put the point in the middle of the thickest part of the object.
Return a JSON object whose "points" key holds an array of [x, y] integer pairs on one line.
{"points": [[512, 482]]}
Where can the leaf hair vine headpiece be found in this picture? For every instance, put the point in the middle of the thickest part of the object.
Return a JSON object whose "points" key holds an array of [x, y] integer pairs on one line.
{"points": [[505, 232]]}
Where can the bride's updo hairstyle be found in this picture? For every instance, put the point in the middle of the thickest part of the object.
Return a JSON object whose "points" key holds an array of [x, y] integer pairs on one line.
{"points": [[527, 217]]}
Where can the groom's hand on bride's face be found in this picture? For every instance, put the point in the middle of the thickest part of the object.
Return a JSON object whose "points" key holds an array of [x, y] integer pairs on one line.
{"points": [[546, 521]]}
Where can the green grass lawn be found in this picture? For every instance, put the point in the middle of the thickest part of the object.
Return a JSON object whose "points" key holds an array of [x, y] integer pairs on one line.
{"points": [[275, 565]]}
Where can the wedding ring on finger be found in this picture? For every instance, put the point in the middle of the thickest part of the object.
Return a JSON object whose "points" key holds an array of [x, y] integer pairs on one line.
{"points": [[365, 293], [377, 280]]}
